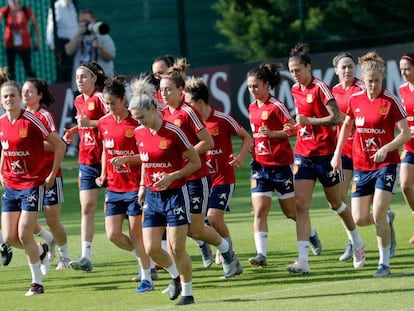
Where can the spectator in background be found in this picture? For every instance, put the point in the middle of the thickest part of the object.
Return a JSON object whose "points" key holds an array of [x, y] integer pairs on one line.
{"points": [[62, 26], [89, 46], [17, 36]]}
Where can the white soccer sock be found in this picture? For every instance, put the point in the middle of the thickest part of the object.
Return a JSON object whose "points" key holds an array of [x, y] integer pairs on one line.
{"points": [[146, 274], [187, 289], [173, 271], [224, 246], [45, 235], [260, 240], [36, 273], [86, 249], [384, 255], [303, 250], [63, 250], [1, 238], [355, 238], [152, 264]]}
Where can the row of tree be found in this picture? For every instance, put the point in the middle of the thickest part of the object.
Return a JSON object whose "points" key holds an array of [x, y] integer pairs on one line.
{"points": [[265, 29]]}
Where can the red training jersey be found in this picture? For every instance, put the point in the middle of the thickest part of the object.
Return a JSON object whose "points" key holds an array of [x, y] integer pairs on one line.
{"points": [[23, 151], [221, 127], [270, 151], [342, 97], [49, 122], [161, 152], [190, 122], [314, 140], [119, 140], [374, 127], [90, 147], [407, 100]]}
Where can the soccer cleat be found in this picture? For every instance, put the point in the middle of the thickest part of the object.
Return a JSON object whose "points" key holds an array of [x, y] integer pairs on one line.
{"points": [[391, 216], [35, 289], [299, 266], [219, 258], [382, 271], [63, 263], [44, 259], [145, 286], [316, 244], [359, 256], [411, 240], [259, 260], [206, 255], [347, 253], [234, 270], [51, 253], [82, 263], [174, 289], [6, 254], [185, 300]]}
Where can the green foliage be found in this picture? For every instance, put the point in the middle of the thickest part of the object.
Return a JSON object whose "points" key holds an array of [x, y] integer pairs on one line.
{"points": [[257, 30]]}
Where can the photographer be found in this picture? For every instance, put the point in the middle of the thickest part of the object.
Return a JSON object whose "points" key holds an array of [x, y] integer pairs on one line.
{"points": [[91, 44]]}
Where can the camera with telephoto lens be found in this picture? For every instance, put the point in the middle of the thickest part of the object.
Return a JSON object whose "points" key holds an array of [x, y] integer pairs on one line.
{"points": [[98, 28]]}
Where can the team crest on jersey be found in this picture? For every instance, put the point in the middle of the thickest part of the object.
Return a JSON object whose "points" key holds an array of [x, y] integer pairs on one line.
{"points": [[91, 106], [177, 122], [215, 130], [163, 144], [265, 115], [23, 133], [309, 98], [129, 133], [383, 110]]}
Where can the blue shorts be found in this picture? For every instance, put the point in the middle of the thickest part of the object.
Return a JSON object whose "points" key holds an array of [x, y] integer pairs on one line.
{"points": [[198, 191], [88, 175], [220, 196], [30, 200], [54, 195], [122, 203], [266, 180], [316, 168], [407, 157], [166, 207], [347, 163], [365, 182]]}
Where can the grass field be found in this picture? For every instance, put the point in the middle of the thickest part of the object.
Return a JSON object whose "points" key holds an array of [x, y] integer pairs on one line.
{"points": [[332, 285]]}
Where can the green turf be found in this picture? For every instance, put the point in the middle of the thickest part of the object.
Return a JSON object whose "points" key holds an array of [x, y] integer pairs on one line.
{"points": [[332, 285]]}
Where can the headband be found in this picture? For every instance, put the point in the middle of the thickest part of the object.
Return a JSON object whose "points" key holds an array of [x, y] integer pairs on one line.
{"points": [[407, 57]]}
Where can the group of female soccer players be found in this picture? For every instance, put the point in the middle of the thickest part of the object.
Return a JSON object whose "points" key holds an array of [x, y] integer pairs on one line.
{"points": [[166, 160]]}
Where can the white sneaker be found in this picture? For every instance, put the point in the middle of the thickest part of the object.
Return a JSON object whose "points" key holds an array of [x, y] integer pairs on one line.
{"points": [[299, 266], [359, 256], [44, 259]]}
